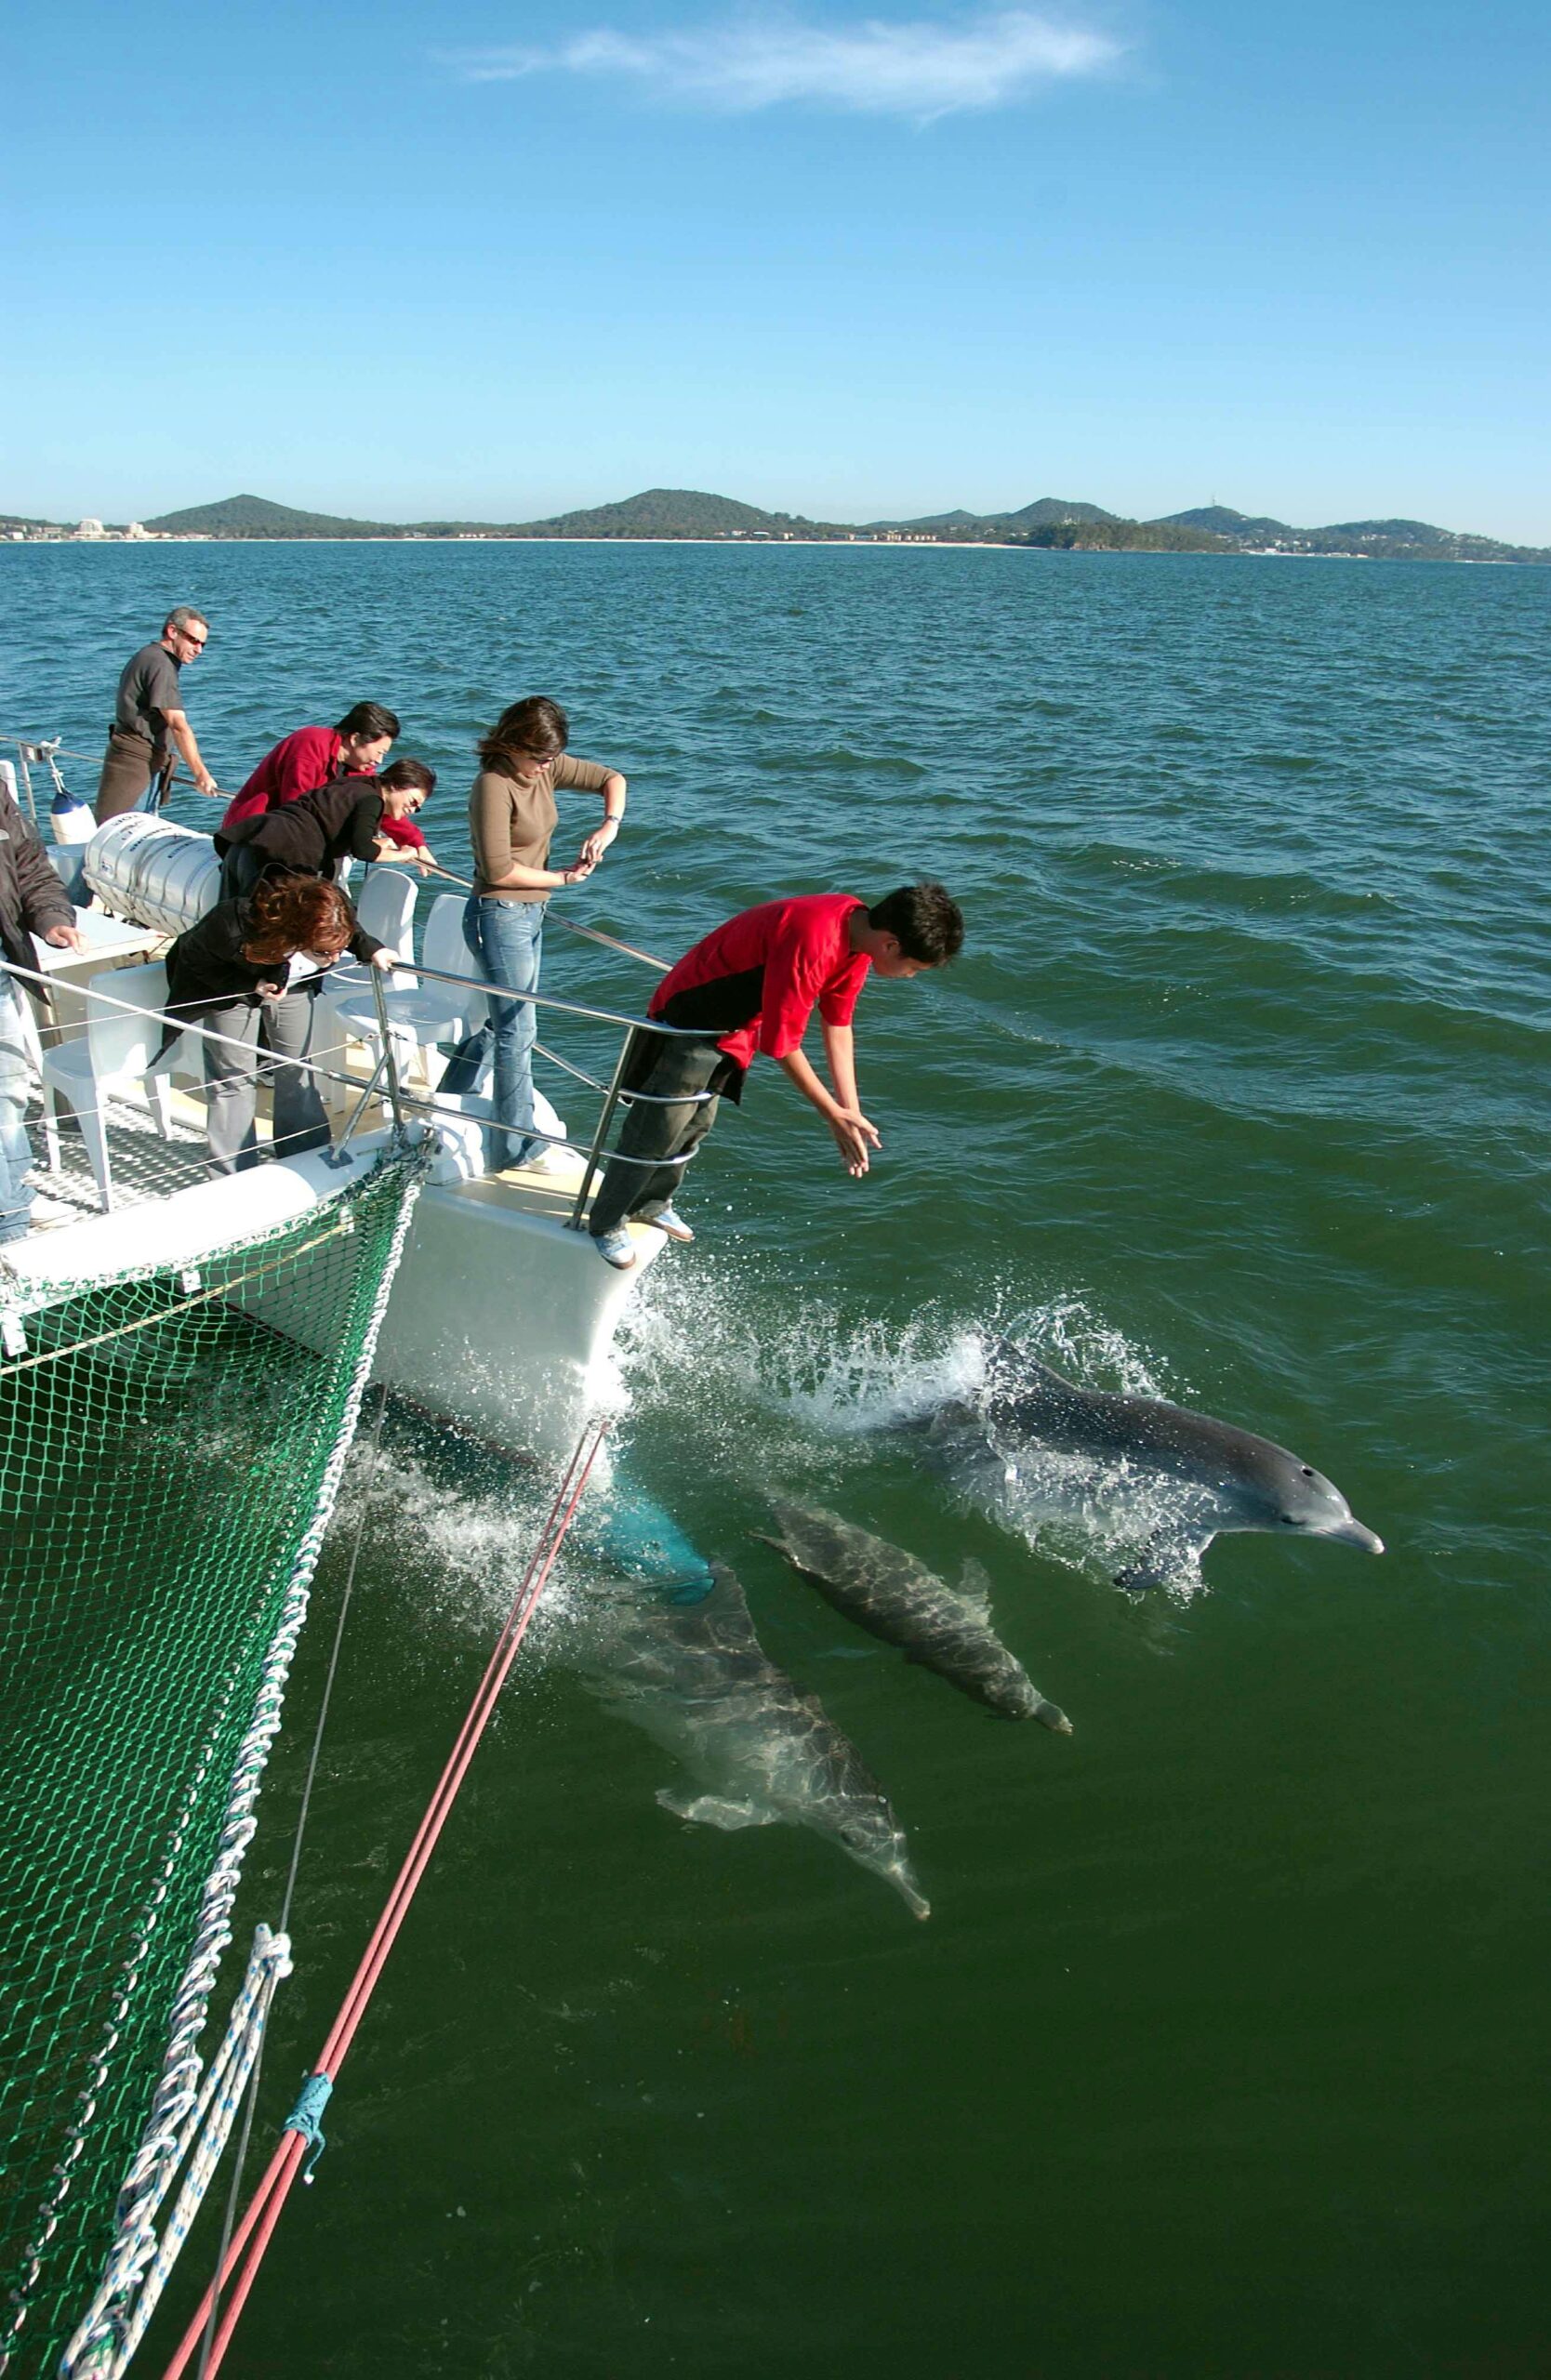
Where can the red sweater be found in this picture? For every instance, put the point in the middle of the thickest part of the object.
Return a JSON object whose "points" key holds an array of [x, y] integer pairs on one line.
{"points": [[754, 982], [402, 831], [300, 763]]}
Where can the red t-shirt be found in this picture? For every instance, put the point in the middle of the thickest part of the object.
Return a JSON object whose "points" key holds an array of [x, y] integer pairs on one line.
{"points": [[299, 764], [755, 981], [402, 831]]}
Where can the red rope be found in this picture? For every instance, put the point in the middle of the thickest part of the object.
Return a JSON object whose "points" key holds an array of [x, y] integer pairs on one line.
{"points": [[263, 2210]]}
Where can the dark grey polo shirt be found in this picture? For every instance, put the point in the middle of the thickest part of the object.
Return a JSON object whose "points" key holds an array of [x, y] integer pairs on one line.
{"points": [[147, 691]]}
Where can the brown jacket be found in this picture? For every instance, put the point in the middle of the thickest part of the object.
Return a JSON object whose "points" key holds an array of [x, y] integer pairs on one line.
{"points": [[32, 898]]}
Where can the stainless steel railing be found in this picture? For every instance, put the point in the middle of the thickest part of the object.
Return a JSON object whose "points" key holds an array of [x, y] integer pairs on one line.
{"points": [[404, 1105]]}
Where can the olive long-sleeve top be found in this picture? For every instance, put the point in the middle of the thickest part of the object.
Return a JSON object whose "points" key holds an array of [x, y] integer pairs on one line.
{"points": [[513, 819]]}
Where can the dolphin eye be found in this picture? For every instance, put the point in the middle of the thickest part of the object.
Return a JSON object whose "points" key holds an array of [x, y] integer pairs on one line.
{"points": [[1308, 1472]]}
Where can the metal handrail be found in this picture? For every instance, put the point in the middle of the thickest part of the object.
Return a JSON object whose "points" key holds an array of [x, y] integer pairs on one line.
{"points": [[616, 1091], [49, 750], [386, 1067], [545, 999]]}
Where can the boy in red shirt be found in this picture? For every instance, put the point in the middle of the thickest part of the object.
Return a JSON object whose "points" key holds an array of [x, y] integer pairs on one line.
{"points": [[751, 986]]}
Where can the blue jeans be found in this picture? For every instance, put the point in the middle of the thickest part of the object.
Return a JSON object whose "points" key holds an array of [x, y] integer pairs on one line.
{"points": [[507, 940], [16, 1156]]}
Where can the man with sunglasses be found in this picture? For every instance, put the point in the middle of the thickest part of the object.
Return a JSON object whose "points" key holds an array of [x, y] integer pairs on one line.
{"points": [[149, 719]]}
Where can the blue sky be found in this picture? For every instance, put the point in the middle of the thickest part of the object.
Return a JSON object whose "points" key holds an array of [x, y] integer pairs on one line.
{"points": [[493, 261]]}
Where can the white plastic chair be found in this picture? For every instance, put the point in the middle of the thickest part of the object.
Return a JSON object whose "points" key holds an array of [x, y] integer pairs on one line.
{"points": [[116, 1053], [386, 910], [430, 1012]]}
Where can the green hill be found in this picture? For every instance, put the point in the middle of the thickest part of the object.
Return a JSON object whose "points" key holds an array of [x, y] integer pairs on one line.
{"points": [[1380, 540], [1050, 520], [1049, 509], [674, 512], [255, 516], [1224, 522], [1113, 536], [1040, 514]]}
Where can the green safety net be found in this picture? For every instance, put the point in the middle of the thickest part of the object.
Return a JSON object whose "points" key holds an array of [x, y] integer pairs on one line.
{"points": [[171, 1444]]}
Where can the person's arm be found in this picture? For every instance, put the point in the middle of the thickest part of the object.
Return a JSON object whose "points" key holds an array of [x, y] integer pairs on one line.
{"points": [[46, 908], [364, 947], [361, 823], [399, 839], [542, 879], [183, 736], [614, 792], [854, 1135], [840, 1052]]}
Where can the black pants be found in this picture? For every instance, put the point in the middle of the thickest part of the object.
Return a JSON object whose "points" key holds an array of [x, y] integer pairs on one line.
{"points": [[675, 1071]]}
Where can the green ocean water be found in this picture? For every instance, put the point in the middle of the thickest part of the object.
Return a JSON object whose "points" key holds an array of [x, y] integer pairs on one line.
{"points": [[1223, 2049]]}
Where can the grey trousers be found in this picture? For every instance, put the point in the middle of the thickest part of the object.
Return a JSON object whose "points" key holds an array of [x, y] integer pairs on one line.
{"points": [[127, 769], [675, 1071], [231, 1082]]}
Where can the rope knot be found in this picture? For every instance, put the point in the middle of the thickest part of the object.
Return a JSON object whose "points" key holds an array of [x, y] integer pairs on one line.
{"points": [[306, 2117]]}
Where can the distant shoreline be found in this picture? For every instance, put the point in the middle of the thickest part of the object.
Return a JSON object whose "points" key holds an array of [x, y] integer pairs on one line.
{"points": [[769, 545]]}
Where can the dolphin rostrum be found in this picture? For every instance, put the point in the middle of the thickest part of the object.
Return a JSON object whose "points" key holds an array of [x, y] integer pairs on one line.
{"points": [[894, 1596], [1216, 1478], [696, 1678]]}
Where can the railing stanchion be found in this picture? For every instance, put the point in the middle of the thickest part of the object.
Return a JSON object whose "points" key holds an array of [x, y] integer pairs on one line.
{"points": [[394, 1100], [610, 1100]]}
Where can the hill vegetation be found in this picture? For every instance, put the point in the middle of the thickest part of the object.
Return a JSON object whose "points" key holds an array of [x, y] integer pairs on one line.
{"points": [[255, 516], [1052, 523], [678, 512], [1114, 537]]}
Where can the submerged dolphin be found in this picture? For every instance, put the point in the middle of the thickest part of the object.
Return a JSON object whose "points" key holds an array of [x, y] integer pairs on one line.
{"points": [[695, 1677], [894, 1596], [1219, 1478]]}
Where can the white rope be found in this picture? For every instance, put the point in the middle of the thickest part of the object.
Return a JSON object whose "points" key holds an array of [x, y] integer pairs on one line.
{"points": [[99, 2349]]}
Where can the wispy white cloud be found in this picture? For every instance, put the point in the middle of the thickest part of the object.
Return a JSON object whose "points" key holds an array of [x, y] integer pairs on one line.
{"points": [[873, 67]]}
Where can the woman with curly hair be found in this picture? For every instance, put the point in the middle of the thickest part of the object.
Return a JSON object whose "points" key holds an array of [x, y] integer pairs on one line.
{"points": [[251, 970]]}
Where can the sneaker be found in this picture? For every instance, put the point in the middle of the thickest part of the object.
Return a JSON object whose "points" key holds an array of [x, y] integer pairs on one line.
{"points": [[546, 1159], [616, 1247], [672, 1223]]}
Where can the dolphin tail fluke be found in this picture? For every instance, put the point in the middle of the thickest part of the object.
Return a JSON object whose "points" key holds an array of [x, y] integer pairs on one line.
{"points": [[911, 1895]]}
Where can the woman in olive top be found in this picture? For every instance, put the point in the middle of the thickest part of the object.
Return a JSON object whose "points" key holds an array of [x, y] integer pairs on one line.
{"points": [[512, 818]]}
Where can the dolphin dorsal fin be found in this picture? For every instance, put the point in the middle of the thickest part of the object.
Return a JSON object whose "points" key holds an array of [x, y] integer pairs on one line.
{"points": [[1019, 1364], [974, 1586]]}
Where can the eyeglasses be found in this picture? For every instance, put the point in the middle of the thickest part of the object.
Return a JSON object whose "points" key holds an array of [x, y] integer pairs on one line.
{"points": [[199, 643]]}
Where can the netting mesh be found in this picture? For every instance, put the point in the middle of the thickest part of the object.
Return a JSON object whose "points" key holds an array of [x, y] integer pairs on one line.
{"points": [[167, 1449]]}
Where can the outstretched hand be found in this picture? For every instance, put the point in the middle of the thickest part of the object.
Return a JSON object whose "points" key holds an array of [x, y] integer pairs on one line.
{"points": [[598, 841], [855, 1137]]}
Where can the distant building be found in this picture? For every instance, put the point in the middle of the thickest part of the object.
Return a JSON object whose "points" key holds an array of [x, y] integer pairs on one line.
{"points": [[91, 529], [137, 529]]}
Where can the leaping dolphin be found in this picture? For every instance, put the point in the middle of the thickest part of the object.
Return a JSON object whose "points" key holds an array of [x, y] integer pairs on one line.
{"points": [[696, 1678], [895, 1597], [1219, 1478]]}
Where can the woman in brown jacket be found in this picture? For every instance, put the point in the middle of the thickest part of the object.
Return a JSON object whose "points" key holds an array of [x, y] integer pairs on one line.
{"points": [[512, 817]]}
